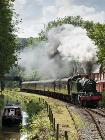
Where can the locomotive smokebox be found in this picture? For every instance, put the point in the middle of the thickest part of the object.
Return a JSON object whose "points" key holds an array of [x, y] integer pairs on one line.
{"points": [[86, 85]]}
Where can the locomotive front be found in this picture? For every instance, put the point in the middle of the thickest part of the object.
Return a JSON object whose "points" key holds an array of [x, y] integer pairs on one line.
{"points": [[85, 92]]}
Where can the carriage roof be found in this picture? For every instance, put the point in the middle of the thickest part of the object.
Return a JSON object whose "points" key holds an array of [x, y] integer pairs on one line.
{"points": [[11, 106], [42, 81]]}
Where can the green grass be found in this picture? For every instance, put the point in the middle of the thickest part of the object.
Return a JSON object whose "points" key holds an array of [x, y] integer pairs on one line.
{"points": [[102, 103], [40, 128], [63, 118]]}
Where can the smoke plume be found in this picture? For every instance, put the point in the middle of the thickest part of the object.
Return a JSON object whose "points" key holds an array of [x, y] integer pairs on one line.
{"points": [[67, 50]]}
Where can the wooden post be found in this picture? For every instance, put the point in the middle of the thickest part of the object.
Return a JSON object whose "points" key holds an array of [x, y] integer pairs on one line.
{"points": [[50, 113], [47, 107], [57, 132], [54, 123], [45, 103], [66, 135], [52, 117]]}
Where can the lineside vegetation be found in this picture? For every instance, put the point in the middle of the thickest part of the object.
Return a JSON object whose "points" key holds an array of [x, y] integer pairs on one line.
{"points": [[39, 126]]}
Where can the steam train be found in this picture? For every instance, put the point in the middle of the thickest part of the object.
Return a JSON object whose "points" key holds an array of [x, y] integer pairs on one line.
{"points": [[77, 89]]}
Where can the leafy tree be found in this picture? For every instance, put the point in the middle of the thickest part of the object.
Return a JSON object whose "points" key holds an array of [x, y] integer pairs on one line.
{"points": [[33, 41], [94, 31], [8, 43], [97, 33], [76, 21], [22, 43]]}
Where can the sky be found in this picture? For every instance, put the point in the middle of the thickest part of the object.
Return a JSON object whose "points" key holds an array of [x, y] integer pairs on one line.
{"points": [[37, 13]]}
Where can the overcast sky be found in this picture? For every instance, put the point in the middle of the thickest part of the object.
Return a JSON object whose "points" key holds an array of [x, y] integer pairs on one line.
{"points": [[36, 13]]}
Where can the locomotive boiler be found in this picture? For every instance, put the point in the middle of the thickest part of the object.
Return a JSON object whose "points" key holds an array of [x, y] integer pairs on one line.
{"points": [[77, 89]]}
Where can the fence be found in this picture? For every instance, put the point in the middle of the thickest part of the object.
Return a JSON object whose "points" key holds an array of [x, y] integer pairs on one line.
{"points": [[52, 121]]}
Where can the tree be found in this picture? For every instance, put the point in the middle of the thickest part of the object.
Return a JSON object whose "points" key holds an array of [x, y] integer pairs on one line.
{"points": [[8, 43], [76, 21], [97, 33]]}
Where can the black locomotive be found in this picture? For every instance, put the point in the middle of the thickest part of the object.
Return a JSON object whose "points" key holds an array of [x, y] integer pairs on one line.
{"points": [[77, 89], [83, 91]]}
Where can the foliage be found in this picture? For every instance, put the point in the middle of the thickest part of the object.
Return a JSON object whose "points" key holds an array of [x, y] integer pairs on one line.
{"points": [[102, 102], [14, 71], [28, 42], [8, 44], [25, 100], [22, 43], [39, 125], [26, 76], [76, 21], [34, 107], [33, 41], [40, 128], [97, 33], [1, 101]]}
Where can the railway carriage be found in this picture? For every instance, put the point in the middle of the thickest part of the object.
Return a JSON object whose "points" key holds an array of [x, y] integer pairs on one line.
{"points": [[78, 89]]}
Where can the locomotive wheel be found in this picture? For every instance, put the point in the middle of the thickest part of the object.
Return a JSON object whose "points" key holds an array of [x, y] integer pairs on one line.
{"points": [[81, 103], [95, 104], [85, 104]]}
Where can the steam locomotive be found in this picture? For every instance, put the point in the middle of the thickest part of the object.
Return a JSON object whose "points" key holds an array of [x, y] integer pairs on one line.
{"points": [[77, 89]]}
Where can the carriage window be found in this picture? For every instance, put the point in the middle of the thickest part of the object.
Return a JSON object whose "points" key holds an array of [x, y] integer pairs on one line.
{"points": [[11, 112]]}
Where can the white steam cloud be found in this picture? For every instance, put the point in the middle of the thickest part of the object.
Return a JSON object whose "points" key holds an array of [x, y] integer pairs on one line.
{"points": [[68, 49], [73, 43]]}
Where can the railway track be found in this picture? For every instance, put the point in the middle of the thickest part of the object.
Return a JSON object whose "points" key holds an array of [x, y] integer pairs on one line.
{"points": [[96, 121], [102, 109], [93, 131], [98, 111]]}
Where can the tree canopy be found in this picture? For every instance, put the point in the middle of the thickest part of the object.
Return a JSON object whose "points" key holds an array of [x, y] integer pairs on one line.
{"points": [[7, 38], [97, 34], [95, 31], [76, 21]]}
